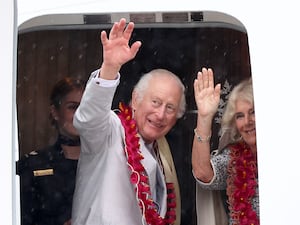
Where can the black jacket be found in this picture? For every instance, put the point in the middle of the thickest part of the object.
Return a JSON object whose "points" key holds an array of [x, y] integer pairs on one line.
{"points": [[47, 182]]}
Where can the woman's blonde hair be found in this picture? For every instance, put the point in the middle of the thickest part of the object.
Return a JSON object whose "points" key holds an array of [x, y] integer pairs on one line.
{"points": [[243, 91]]}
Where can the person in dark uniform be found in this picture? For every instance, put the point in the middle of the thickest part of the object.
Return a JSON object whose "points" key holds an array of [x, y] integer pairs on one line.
{"points": [[47, 176]]}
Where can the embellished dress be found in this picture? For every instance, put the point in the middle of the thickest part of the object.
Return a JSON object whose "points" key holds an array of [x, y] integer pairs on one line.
{"points": [[235, 170]]}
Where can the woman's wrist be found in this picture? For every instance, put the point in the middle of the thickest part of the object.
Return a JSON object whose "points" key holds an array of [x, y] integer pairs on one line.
{"points": [[202, 138]]}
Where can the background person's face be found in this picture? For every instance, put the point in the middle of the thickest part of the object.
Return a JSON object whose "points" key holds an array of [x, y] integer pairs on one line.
{"points": [[65, 113]]}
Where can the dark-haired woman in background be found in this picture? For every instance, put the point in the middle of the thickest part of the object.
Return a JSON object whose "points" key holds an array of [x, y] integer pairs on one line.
{"points": [[47, 176]]}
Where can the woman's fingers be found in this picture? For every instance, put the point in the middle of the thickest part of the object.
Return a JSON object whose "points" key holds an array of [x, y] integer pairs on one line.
{"points": [[210, 76], [200, 81], [205, 78]]}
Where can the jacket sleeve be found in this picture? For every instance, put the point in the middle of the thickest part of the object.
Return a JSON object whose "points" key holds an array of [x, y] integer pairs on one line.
{"points": [[94, 119], [28, 195]]}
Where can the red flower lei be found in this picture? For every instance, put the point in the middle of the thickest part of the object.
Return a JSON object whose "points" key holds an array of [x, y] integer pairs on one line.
{"points": [[139, 175], [242, 184]]}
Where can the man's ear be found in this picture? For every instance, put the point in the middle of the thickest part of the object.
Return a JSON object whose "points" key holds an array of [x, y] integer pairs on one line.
{"points": [[134, 100]]}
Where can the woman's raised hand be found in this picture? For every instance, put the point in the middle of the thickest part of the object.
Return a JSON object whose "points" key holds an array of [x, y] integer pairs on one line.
{"points": [[207, 95]]}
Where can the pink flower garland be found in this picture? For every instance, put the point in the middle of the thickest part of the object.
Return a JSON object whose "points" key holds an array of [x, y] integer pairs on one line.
{"points": [[139, 176], [242, 184]]}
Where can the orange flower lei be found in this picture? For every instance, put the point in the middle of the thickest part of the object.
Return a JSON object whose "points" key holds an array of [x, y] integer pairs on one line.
{"points": [[242, 184], [139, 175]]}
